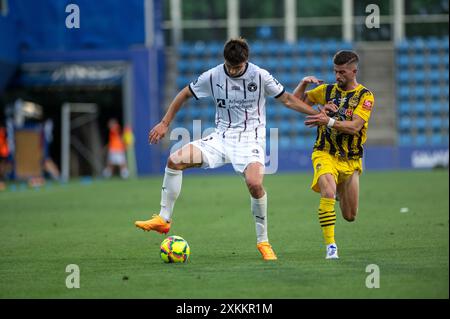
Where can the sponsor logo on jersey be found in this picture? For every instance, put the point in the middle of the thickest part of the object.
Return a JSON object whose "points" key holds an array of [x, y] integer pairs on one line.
{"points": [[367, 105]]}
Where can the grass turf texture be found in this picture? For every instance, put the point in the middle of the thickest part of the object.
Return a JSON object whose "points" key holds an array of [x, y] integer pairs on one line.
{"points": [[42, 231]]}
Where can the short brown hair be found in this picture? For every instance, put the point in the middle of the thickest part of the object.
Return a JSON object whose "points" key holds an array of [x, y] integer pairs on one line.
{"points": [[345, 57], [236, 51]]}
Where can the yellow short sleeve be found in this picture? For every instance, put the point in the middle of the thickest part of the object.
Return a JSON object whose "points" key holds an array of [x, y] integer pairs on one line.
{"points": [[317, 95], [364, 108]]}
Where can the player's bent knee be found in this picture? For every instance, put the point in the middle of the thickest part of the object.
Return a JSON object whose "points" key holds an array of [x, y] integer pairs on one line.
{"points": [[256, 189], [173, 163]]}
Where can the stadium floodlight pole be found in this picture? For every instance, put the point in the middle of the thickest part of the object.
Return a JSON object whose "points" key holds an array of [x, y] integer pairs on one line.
{"points": [[233, 18], [290, 27], [176, 19], [347, 20], [399, 20]]}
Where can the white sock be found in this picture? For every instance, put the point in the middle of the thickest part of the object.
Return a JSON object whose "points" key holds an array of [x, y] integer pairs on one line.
{"points": [[259, 211], [170, 190]]}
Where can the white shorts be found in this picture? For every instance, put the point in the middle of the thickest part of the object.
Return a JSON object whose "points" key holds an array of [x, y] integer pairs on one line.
{"points": [[116, 158], [237, 148]]}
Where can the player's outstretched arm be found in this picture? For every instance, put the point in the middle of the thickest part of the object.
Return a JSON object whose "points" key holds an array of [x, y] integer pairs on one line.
{"points": [[300, 90], [296, 104], [160, 129], [348, 127]]}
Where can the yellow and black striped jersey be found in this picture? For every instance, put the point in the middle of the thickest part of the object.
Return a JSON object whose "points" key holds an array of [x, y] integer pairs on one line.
{"points": [[358, 101]]}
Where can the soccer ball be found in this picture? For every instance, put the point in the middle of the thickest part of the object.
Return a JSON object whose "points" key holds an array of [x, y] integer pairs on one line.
{"points": [[174, 249]]}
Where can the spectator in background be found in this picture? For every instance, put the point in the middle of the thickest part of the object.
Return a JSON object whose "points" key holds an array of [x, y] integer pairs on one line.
{"points": [[116, 151], [49, 165], [4, 157]]}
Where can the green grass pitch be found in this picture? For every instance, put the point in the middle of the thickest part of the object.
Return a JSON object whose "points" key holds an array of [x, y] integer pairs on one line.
{"points": [[92, 226]]}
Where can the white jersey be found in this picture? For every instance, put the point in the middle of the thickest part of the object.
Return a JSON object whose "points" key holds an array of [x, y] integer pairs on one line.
{"points": [[240, 101]]}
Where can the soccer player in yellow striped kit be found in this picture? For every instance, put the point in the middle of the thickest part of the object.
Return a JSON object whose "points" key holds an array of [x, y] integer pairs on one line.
{"points": [[338, 150]]}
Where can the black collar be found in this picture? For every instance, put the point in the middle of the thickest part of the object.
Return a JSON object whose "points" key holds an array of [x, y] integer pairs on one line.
{"points": [[235, 77]]}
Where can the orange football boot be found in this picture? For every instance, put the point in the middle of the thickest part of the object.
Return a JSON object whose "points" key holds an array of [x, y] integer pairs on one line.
{"points": [[156, 223], [266, 251]]}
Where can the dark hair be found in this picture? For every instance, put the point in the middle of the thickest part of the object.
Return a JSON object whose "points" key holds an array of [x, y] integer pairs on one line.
{"points": [[236, 51], [345, 57]]}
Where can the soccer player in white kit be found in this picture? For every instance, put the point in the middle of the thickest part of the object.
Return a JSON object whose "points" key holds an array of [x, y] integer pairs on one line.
{"points": [[238, 89]]}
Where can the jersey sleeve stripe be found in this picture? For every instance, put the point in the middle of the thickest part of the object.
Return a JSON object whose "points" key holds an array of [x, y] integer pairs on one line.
{"points": [[192, 91], [280, 94]]}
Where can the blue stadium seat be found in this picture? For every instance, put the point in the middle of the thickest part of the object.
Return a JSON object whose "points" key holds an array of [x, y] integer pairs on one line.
{"points": [[299, 142], [257, 48], [418, 61], [435, 77], [183, 65], [420, 140], [331, 46], [445, 59], [420, 108], [444, 91], [272, 48], [436, 123], [404, 108], [433, 44], [346, 46], [420, 124], [444, 43], [436, 108], [284, 128], [403, 76], [271, 112], [214, 49], [288, 64], [199, 49], [403, 47], [403, 61], [403, 92], [419, 92], [434, 92], [287, 48], [434, 60], [300, 127], [418, 76], [437, 139], [418, 44], [445, 123], [405, 140], [317, 63], [315, 48], [184, 50], [198, 66], [329, 78], [284, 142], [182, 81], [405, 124]]}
